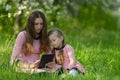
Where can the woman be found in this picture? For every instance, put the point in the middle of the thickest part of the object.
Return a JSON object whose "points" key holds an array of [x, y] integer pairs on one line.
{"points": [[31, 42]]}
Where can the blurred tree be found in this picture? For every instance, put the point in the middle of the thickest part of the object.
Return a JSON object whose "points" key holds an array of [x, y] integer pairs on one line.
{"points": [[68, 13], [95, 13]]}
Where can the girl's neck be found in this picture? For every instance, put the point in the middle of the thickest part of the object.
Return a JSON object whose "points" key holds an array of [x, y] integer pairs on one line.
{"points": [[59, 48]]}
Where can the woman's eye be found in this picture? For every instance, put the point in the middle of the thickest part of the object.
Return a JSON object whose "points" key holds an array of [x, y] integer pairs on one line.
{"points": [[41, 23], [38, 24]]}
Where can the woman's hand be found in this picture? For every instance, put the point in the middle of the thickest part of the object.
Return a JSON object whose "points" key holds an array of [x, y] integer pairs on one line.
{"points": [[35, 64]]}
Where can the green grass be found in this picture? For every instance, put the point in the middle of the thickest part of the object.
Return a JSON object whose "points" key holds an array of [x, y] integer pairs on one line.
{"points": [[97, 50]]}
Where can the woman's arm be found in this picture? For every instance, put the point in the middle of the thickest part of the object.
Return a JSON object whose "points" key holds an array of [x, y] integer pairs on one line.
{"points": [[18, 47]]}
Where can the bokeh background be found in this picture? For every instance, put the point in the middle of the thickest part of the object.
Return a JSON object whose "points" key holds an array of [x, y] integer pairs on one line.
{"points": [[65, 14], [91, 27]]}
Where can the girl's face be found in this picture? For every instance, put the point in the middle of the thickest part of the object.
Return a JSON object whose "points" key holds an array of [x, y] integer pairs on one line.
{"points": [[55, 41], [38, 25]]}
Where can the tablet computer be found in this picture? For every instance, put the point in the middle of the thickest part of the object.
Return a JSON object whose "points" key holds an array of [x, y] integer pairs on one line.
{"points": [[45, 59]]}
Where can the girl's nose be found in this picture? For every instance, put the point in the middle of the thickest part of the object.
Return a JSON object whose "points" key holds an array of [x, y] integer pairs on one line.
{"points": [[52, 43]]}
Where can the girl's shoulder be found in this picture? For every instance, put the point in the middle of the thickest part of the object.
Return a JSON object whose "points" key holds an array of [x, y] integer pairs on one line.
{"points": [[68, 46]]}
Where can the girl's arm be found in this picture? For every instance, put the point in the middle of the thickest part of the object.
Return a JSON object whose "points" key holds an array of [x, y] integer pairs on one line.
{"points": [[71, 56], [72, 59], [18, 47]]}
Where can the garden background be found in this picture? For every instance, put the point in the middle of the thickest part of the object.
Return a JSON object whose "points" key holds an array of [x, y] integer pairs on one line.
{"points": [[90, 26]]}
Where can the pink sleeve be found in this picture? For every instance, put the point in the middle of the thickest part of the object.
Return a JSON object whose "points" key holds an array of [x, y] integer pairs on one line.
{"points": [[18, 46], [80, 67], [70, 52], [72, 56]]}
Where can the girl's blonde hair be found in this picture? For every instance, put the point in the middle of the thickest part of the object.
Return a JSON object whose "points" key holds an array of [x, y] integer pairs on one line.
{"points": [[60, 57]]}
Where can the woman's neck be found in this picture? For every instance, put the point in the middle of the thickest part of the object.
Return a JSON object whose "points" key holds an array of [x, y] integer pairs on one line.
{"points": [[37, 37]]}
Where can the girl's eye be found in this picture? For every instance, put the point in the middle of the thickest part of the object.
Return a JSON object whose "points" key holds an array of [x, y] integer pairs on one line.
{"points": [[54, 40]]}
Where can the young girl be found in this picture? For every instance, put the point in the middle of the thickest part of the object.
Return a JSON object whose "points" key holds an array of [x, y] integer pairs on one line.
{"points": [[31, 42], [64, 53]]}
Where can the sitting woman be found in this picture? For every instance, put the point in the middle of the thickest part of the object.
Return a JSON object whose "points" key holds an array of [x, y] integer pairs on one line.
{"points": [[30, 43]]}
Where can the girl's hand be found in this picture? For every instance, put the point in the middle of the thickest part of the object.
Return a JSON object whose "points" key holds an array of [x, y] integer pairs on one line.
{"points": [[50, 65]]}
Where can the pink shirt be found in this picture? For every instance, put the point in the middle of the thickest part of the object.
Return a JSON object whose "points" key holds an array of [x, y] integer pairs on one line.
{"points": [[19, 48], [69, 53]]}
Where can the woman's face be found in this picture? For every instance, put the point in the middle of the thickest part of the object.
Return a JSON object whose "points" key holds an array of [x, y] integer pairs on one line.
{"points": [[55, 41], [38, 25]]}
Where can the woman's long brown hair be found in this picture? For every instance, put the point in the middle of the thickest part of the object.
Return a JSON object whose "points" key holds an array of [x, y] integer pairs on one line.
{"points": [[30, 33]]}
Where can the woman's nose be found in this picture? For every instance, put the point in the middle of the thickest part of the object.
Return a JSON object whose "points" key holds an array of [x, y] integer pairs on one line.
{"points": [[39, 26]]}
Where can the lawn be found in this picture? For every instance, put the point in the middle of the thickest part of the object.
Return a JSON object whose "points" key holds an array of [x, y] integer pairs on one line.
{"points": [[97, 50]]}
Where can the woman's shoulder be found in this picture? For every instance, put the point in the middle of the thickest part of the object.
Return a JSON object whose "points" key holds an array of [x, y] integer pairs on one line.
{"points": [[22, 34], [21, 38]]}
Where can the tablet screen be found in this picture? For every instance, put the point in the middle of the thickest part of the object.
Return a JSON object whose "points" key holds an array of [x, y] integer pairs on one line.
{"points": [[45, 59]]}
